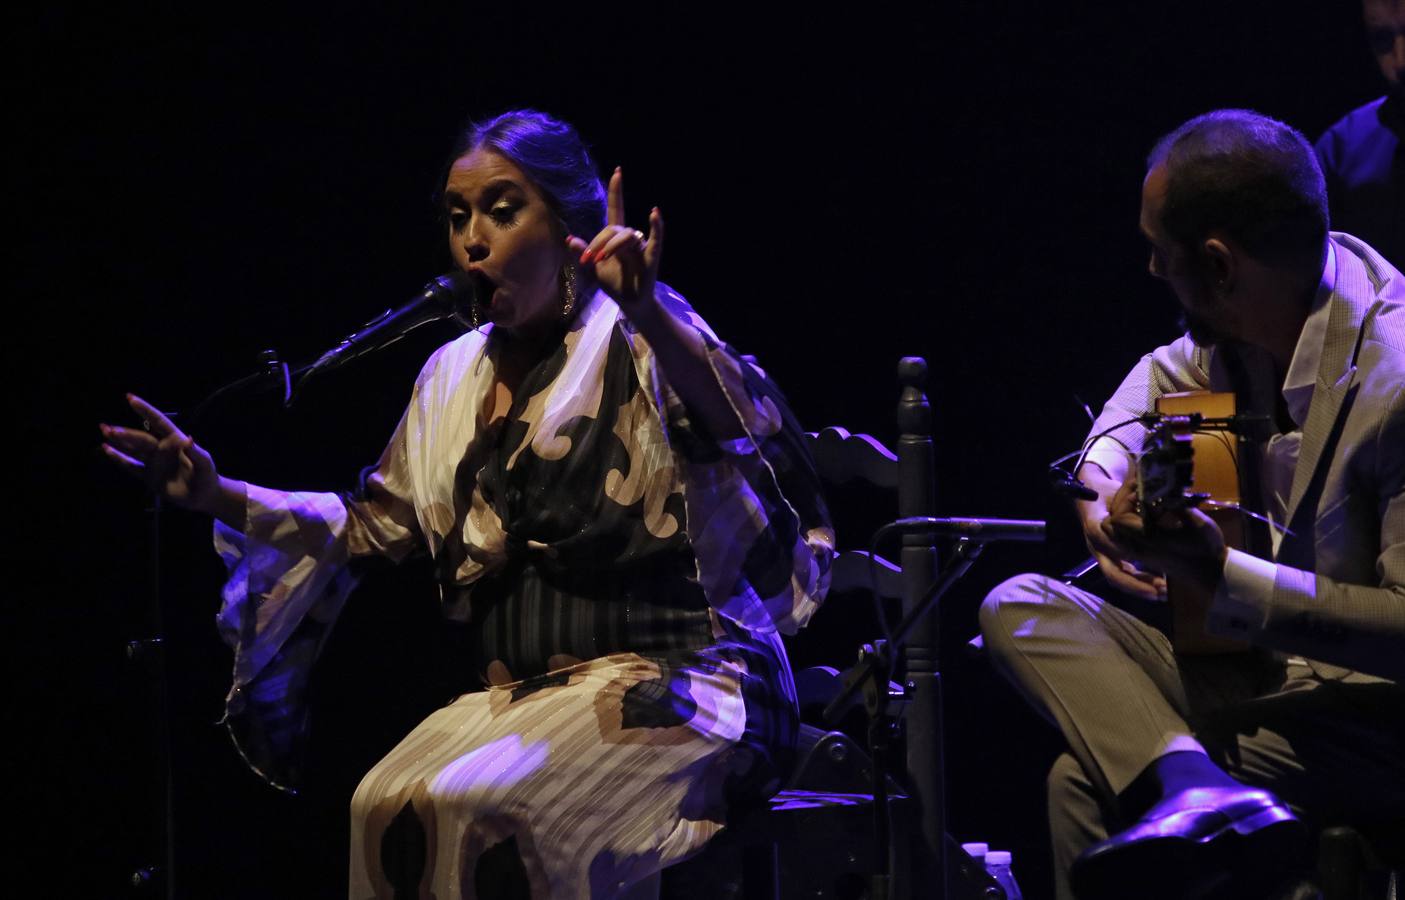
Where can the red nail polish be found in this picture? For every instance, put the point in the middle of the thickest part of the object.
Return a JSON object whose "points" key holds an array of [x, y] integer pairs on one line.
{"points": [[585, 258]]}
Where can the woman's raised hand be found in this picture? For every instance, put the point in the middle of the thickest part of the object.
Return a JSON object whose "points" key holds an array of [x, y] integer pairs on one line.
{"points": [[169, 462], [623, 260]]}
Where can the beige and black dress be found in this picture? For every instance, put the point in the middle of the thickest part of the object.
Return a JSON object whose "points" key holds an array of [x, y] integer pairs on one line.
{"points": [[624, 577]]}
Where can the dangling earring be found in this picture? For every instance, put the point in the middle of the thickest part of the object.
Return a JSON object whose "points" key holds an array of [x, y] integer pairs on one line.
{"points": [[568, 290]]}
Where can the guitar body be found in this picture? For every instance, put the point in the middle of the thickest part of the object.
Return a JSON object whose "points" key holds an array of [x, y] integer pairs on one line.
{"points": [[1214, 473]]}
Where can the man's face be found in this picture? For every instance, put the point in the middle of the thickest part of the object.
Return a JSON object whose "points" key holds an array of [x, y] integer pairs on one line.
{"points": [[1205, 314], [1385, 29]]}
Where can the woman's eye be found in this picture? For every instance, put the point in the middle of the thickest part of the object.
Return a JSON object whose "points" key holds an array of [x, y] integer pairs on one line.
{"points": [[503, 213], [457, 219]]}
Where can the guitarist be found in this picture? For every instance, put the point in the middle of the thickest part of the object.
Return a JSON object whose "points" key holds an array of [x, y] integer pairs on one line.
{"points": [[1191, 773]]}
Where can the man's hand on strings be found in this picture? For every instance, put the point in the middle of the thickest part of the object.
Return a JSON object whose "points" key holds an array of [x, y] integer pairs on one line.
{"points": [[1115, 561], [1184, 543]]}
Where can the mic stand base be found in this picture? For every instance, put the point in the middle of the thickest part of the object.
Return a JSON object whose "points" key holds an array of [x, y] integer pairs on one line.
{"points": [[872, 674]]}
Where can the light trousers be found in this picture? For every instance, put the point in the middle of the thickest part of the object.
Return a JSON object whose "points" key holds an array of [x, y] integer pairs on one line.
{"points": [[1122, 698]]}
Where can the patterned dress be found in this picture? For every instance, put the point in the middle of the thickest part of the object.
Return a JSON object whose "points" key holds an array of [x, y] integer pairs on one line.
{"points": [[624, 577]]}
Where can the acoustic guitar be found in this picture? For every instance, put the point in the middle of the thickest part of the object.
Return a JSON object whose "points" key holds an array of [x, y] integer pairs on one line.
{"points": [[1191, 458]]}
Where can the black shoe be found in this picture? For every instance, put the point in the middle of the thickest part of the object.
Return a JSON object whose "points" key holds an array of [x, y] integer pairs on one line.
{"points": [[1190, 845]]}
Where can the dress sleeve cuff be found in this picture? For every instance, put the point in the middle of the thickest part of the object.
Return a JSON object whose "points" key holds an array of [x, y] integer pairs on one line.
{"points": [[1240, 605]]}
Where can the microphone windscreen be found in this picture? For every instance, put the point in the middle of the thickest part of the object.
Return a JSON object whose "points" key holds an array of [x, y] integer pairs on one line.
{"points": [[451, 288]]}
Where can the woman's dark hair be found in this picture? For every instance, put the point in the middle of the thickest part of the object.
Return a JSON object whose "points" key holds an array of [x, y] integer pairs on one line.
{"points": [[552, 154], [1251, 176]]}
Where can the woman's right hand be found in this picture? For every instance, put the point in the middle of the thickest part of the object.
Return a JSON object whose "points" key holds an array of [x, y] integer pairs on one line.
{"points": [[165, 458]]}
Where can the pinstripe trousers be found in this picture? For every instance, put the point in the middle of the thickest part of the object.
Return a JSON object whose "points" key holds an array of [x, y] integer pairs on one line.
{"points": [[1122, 698]]}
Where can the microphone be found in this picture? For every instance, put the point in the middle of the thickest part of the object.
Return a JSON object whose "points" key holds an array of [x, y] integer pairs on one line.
{"points": [[1064, 483], [981, 531], [449, 296]]}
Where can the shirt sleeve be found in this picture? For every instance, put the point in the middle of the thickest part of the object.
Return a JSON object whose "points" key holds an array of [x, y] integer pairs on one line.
{"points": [[1358, 626], [288, 579], [1116, 435], [756, 519]]}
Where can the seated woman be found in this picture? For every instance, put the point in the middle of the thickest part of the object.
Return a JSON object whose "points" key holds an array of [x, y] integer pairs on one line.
{"points": [[620, 511]]}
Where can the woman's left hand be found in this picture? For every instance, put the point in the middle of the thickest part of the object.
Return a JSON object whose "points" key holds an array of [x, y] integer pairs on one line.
{"points": [[623, 261]]}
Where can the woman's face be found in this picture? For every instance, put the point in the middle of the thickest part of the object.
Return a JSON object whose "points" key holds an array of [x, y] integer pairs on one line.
{"points": [[502, 230]]}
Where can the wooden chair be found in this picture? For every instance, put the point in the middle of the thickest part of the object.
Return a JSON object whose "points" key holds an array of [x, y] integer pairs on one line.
{"points": [[815, 839], [1361, 862]]}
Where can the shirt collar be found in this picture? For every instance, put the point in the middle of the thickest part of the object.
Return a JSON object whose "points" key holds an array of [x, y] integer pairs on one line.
{"points": [[1307, 356]]}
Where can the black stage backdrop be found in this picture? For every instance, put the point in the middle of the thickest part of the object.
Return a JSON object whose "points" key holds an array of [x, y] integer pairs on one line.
{"points": [[959, 182]]}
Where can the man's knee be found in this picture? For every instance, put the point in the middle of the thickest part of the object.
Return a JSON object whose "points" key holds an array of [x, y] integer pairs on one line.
{"points": [[1011, 607]]}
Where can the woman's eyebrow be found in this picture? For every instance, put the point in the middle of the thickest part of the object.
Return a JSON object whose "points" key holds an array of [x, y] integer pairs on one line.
{"points": [[490, 191], [499, 186]]}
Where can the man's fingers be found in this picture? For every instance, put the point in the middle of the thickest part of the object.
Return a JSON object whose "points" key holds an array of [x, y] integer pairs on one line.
{"points": [[1125, 500], [1129, 580], [1124, 531], [1098, 539], [1197, 519]]}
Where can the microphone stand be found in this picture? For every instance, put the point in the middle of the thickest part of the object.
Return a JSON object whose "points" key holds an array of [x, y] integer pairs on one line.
{"points": [[872, 675], [150, 651], [440, 299]]}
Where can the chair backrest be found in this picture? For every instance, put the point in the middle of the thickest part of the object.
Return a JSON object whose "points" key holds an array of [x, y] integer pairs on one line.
{"points": [[841, 457]]}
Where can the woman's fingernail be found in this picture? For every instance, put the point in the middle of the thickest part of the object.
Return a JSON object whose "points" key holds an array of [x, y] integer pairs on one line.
{"points": [[585, 258]]}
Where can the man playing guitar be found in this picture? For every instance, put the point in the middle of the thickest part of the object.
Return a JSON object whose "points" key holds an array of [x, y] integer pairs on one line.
{"points": [[1198, 774]]}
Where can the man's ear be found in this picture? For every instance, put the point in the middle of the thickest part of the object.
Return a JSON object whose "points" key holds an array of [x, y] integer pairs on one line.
{"points": [[1221, 264]]}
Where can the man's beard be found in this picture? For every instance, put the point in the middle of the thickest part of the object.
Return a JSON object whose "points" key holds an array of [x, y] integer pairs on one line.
{"points": [[1201, 331]]}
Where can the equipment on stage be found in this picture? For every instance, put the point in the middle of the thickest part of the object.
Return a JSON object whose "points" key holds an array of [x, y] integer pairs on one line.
{"points": [[448, 296], [844, 823], [1190, 459]]}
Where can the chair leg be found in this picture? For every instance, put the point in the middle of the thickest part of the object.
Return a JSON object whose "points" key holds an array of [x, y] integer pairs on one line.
{"points": [[1338, 863], [761, 873], [648, 889]]}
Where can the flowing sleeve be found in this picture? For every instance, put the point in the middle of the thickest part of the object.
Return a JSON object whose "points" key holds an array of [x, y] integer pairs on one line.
{"points": [[288, 579], [757, 522]]}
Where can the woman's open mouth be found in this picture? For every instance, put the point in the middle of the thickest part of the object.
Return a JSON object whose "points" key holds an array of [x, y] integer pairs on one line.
{"points": [[484, 288]]}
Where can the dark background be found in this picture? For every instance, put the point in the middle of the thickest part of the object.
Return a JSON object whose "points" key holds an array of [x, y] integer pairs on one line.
{"points": [[959, 181]]}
